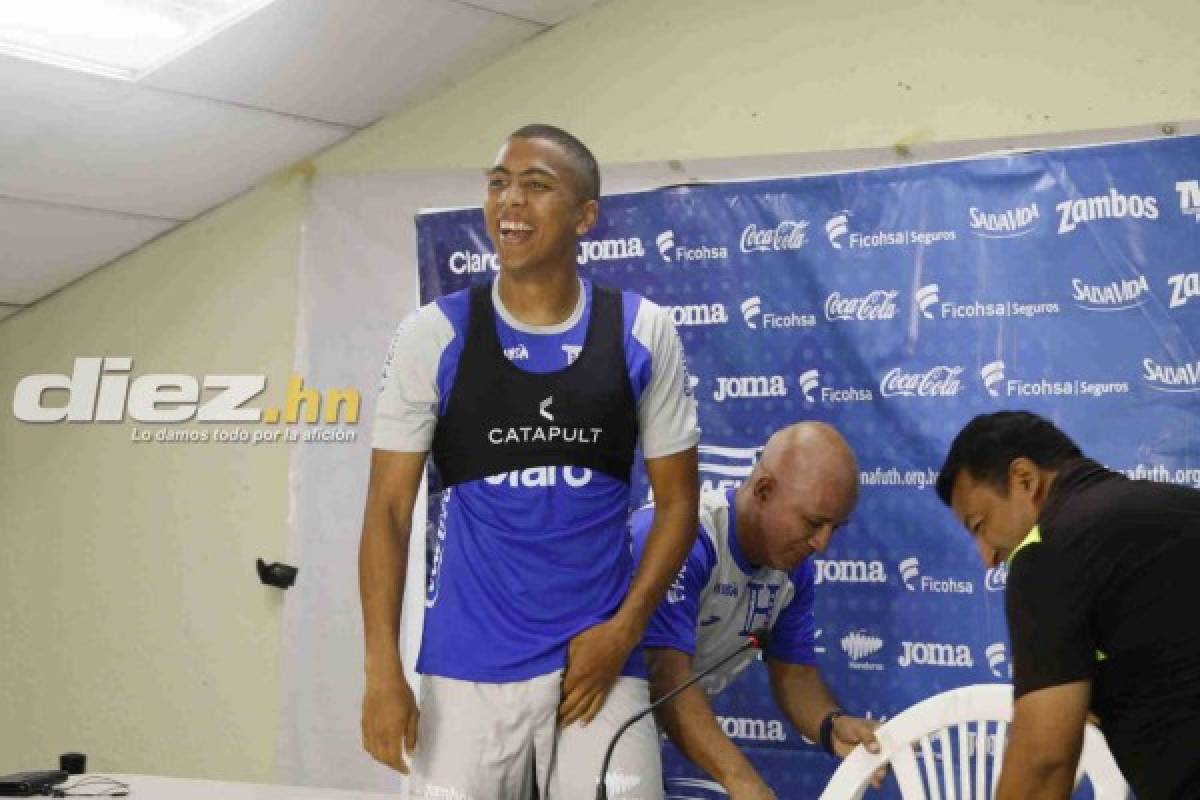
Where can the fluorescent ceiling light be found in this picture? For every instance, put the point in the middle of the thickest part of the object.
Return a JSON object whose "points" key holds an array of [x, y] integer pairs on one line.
{"points": [[118, 38]]}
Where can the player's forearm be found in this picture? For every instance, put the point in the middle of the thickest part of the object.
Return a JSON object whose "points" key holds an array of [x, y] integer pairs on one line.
{"points": [[671, 536], [690, 724], [802, 695], [382, 561], [1030, 773]]}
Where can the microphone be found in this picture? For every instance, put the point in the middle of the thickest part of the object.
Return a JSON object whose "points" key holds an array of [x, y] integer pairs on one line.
{"points": [[756, 639]]}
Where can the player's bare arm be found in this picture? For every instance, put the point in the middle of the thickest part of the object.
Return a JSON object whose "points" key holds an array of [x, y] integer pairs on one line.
{"points": [[689, 721], [389, 721], [595, 656], [1044, 743]]}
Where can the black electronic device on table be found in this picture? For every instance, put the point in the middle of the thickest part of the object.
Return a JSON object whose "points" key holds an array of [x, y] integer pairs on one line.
{"points": [[30, 784]]}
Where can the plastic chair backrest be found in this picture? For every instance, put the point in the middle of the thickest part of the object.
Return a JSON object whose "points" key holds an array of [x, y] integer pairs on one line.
{"points": [[931, 746]]}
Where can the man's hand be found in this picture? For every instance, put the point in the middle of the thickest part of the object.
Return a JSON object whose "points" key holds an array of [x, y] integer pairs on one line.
{"points": [[851, 731], [389, 721], [594, 660]]}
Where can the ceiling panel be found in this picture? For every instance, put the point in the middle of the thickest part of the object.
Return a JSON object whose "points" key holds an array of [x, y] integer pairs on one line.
{"points": [[36, 99], [158, 154], [45, 247], [349, 62], [547, 12]]}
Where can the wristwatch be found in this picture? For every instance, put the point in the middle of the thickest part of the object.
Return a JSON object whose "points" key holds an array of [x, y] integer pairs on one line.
{"points": [[825, 738]]}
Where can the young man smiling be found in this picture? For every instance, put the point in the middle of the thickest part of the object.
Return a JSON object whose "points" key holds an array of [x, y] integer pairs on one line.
{"points": [[1101, 604], [531, 393]]}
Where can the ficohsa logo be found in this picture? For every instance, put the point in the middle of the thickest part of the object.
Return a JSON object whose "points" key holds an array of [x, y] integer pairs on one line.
{"points": [[752, 312], [914, 581], [939, 381], [1114, 205], [997, 658], [927, 299], [837, 227], [672, 251], [993, 377], [935, 654]]}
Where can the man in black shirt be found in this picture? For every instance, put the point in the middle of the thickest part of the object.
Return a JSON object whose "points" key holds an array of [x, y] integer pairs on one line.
{"points": [[1103, 592]]}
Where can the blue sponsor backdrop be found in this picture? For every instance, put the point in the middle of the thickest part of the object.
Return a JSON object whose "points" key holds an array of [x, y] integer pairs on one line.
{"points": [[896, 304]]}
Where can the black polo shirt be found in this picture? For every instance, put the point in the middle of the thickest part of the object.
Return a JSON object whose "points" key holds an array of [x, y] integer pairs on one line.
{"points": [[1107, 589]]}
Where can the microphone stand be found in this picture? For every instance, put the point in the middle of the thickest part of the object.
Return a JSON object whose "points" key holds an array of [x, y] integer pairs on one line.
{"points": [[755, 640]]}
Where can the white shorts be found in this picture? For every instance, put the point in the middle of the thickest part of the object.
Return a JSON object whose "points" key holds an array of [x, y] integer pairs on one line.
{"points": [[492, 741]]}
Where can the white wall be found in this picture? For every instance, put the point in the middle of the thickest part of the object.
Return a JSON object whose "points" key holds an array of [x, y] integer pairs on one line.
{"points": [[145, 639]]}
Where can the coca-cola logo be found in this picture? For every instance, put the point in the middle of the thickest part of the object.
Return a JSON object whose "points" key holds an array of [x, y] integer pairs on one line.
{"points": [[873, 307], [940, 381], [787, 235]]}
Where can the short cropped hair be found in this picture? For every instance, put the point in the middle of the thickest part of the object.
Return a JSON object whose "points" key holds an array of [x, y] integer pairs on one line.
{"points": [[991, 442], [583, 163]]}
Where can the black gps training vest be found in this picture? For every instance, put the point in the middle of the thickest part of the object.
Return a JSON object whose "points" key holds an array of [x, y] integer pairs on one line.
{"points": [[501, 418]]}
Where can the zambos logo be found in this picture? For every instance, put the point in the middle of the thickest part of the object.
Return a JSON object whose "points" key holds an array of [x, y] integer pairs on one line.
{"points": [[1114, 205]]}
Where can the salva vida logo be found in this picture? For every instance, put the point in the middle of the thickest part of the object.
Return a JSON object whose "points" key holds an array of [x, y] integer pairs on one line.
{"points": [[1119, 295], [1171, 377], [1004, 224]]}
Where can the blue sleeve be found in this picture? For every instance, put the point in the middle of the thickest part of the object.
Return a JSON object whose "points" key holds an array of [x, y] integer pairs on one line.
{"points": [[793, 638], [674, 622]]}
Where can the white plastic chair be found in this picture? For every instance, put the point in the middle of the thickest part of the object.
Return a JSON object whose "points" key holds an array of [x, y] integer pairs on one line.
{"points": [[948, 728]]}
